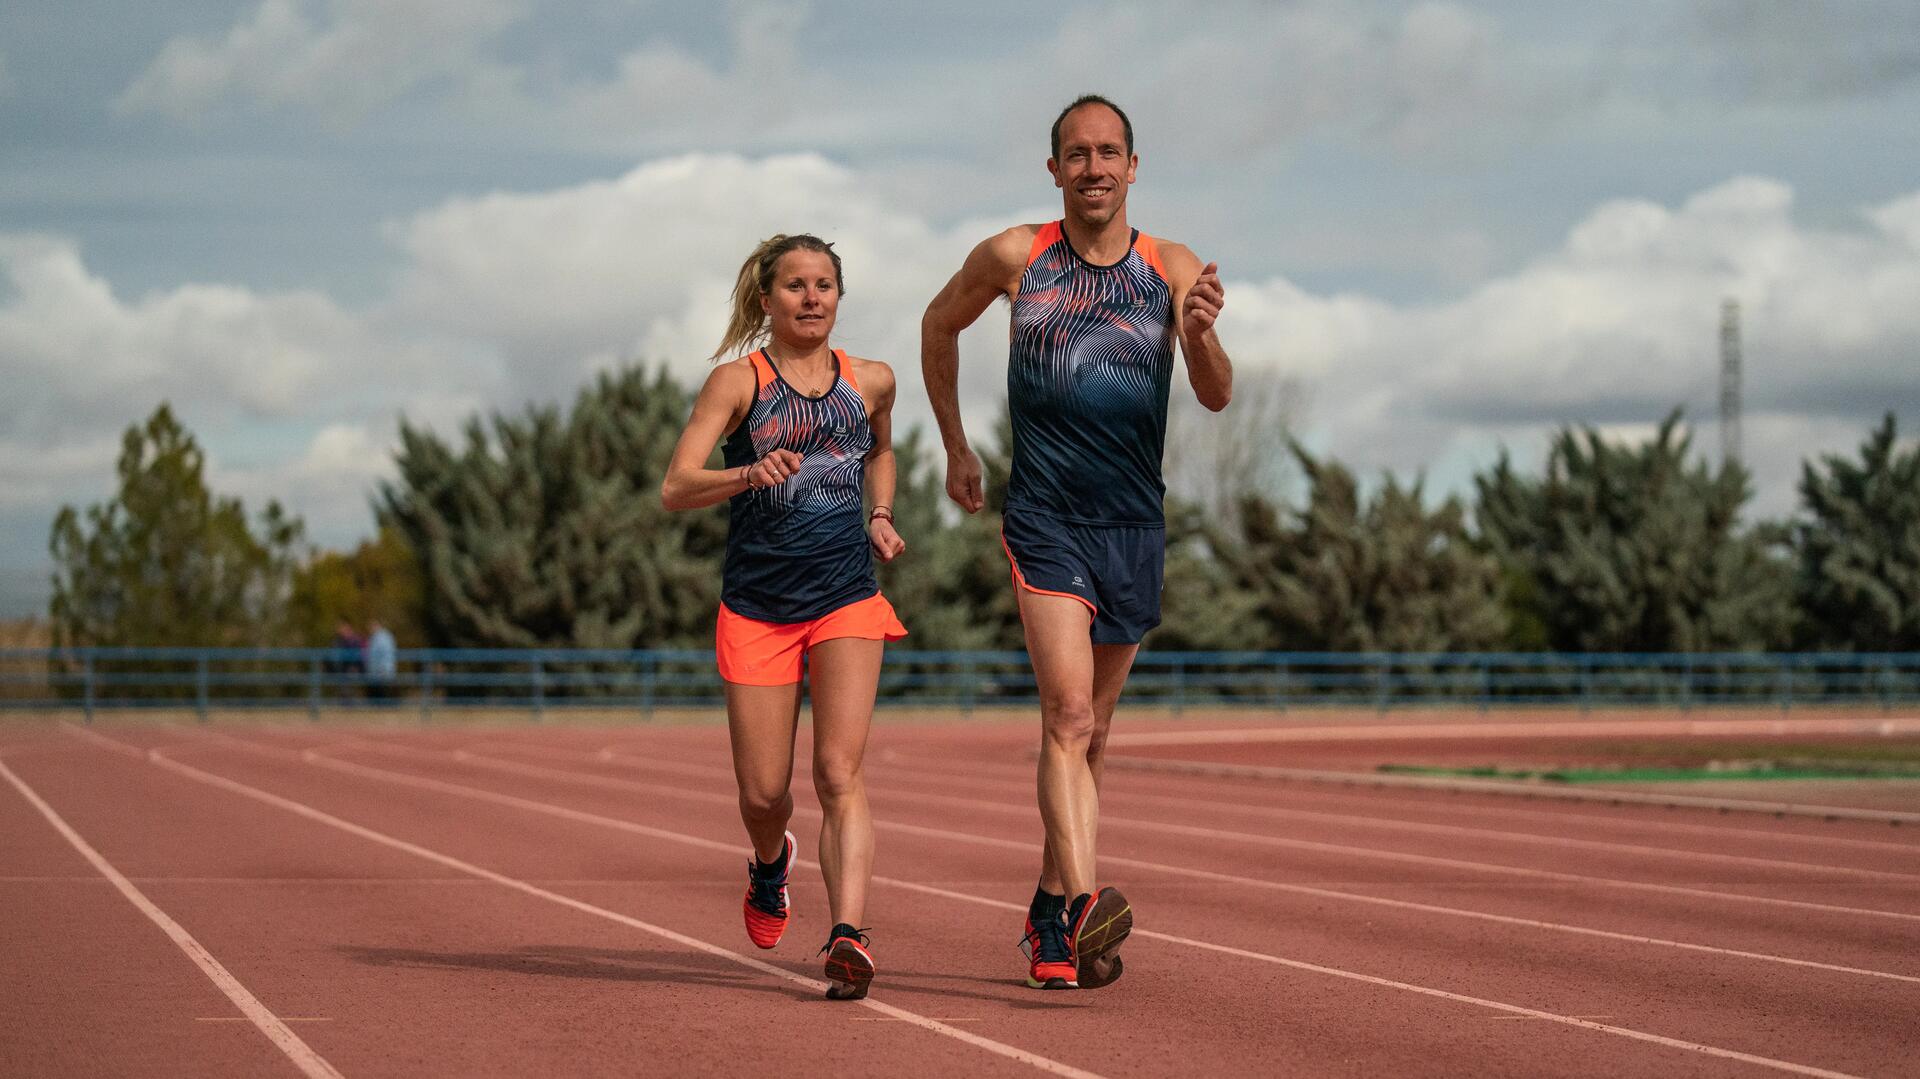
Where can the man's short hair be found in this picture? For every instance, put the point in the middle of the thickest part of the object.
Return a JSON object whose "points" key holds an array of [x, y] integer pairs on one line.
{"points": [[1091, 99]]}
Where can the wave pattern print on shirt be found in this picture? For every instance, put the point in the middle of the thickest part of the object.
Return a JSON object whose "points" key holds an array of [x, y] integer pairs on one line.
{"points": [[1087, 380], [800, 546]]}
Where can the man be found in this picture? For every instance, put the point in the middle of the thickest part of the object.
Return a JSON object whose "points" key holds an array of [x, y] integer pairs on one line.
{"points": [[1095, 307], [383, 662]]}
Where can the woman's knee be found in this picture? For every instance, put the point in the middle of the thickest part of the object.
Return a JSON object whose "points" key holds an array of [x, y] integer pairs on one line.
{"points": [[836, 778], [763, 803]]}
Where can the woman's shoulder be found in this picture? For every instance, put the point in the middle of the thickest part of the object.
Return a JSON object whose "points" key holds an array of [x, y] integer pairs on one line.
{"points": [[872, 376]]}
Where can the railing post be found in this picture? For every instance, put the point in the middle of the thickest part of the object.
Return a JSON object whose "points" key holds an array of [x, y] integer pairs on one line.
{"points": [[1485, 667], [1686, 683], [86, 684], [313, 689], [426, 688], [1280, 697], [1179, 686], [538, 667], [1783, 684], [1586, 683], [649, 674], [200, 687]]}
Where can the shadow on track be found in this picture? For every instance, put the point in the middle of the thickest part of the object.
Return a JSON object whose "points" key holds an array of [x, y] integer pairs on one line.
{"points": [[562, 961]]}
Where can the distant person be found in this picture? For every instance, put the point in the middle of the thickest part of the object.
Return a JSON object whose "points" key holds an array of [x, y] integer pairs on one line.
{"points": [[383, 661], [348, 657], [806, 434], [1096, 306]]}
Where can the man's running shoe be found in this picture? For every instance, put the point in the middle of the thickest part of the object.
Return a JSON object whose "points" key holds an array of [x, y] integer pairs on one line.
{"points": [[1049, 963], [766, 903], [1096, 926], [849, 964]]}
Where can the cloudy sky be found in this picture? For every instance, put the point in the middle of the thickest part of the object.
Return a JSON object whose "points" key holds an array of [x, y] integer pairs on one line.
{"points": [[1452, 226]]}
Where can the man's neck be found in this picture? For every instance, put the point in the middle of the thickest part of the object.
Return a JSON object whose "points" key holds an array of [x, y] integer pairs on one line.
{"points": [[1100, 244]]}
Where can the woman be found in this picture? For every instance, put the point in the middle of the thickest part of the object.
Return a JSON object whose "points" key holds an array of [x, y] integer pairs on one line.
{"points": [[806, 427]]}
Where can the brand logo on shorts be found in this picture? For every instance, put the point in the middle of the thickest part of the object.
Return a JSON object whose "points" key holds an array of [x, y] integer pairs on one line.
{"points": [[1080, 582]]}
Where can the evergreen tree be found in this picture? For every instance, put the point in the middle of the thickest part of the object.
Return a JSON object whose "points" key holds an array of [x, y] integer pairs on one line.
{"points": [[547, 531], [380, 579], [1859, 548], [166, 562], [1630, 548], [1347, 574]]}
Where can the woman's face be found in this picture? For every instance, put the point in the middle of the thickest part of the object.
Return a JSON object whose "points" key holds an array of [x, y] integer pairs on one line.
{"points": [[803, 299]]}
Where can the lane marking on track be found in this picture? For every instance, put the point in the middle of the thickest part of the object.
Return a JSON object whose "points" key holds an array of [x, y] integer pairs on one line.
{"points": [[1427, 827], [1383, 793], [1010, 1052], [1555, 729], [283, 1019], [1402, 856], [320, 758], [1224, 878], [310, 1063]]}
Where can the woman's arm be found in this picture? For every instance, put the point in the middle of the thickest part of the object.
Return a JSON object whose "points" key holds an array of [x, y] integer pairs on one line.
{"points": [[881, 471], [722, 404]]}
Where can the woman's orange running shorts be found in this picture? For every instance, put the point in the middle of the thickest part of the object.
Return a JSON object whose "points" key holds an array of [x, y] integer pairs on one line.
{"points": [[755, 653]]}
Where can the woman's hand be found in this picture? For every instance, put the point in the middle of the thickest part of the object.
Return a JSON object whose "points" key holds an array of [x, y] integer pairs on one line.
{"points": [[772, 470], [887, 543]]}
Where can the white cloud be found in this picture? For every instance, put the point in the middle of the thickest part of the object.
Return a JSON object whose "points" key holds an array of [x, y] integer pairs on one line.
{"points": [[340, 59], [511, 297]]}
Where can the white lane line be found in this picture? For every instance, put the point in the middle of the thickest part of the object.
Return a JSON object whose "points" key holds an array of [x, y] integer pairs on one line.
{"points": [[610, 782], [1345, 850], [1577, 813], [283, 1019], [302, 1055], [1555, 729], [1512, 1009], [302, 809]]}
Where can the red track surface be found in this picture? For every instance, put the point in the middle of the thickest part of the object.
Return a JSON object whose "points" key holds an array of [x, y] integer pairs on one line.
{"points": [[565, 901]]}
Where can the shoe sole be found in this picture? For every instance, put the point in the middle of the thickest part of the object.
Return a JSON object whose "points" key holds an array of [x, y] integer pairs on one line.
{"points": [[1102, 930], [849, 971], [1050, 983], [1101, 972]]}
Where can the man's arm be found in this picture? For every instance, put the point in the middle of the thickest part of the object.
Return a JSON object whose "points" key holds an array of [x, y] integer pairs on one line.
{"points": [[992, 270], [1197, 299]]}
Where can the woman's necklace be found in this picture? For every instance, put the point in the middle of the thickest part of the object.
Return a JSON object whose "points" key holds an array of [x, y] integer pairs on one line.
{"points": [[806, 385]]}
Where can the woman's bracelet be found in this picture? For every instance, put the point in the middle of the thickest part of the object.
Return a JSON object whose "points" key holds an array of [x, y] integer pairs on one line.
{"points": [[746, 475], [880, 513]]}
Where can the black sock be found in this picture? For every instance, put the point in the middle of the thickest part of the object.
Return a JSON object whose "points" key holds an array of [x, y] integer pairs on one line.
{"points": [[771, 869], [1045, 905], [1079, 904]]}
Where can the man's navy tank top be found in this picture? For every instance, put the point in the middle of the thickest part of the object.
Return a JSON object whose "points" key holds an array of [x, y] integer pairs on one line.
{"points": [[798, 551], [1087, 380]]}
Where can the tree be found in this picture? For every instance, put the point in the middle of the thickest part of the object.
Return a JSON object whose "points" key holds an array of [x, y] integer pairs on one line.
{"points": [[378, 580], [1351, 574], [953, 586], [1859, 548], [547, 531], [1630, 548], [165, 562]]}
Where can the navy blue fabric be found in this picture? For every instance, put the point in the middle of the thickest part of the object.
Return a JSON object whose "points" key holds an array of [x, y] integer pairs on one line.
{"points": [[1088, 373], [799, 551], [1118, 569]]}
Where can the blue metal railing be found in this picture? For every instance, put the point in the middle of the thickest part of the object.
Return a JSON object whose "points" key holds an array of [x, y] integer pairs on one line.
{"points": [[206, 679]]}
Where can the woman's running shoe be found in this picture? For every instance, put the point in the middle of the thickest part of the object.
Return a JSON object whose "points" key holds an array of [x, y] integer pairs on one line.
{"points": [[766, 905], [1049, 962], [849, 964]]}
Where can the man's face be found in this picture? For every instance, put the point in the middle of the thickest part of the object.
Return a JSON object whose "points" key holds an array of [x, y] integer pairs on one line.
{"points": [[1094, 168]]}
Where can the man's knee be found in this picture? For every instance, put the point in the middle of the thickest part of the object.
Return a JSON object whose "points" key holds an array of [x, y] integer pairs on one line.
{"points": [[1068, 719]]}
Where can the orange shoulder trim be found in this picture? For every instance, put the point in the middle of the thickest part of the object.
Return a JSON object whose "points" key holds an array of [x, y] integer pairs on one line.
{"points": [[1048, 235], [1149, 249], [846, 369], [762, 370]]}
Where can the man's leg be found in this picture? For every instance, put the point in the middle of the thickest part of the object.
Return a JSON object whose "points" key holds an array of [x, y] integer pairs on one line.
{"points": [[1111, 665], [1063, 667]]}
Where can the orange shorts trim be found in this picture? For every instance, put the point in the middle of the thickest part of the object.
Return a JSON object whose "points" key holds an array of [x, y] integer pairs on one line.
{"points": [[755, 653], [1020, 581]]}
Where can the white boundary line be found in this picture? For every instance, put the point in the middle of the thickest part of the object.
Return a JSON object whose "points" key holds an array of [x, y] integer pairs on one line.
{"points": [[310, 1063], [1566, 728], [319, 758], [1386, 824], [1368, 852], [1014, 1053]]}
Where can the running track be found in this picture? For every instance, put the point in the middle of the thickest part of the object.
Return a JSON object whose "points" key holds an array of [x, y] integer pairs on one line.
{"points": [[521, 900]]}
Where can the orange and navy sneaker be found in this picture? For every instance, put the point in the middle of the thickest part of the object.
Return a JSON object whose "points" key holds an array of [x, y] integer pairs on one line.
{"points": [[1049, 962], [849, 964], [1096, 926], [766, 904]]}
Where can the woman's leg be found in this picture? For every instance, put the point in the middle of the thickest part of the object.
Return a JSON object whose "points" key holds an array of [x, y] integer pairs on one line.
{"points": [[760, 723], [844, 672]]}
